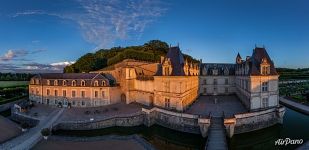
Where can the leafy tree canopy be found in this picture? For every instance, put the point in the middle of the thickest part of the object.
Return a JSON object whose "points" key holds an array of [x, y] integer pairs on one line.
{"points": [[150, 51]]}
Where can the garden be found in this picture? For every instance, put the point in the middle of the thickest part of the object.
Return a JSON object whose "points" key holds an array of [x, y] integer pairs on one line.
{"points": [[297, 91]]}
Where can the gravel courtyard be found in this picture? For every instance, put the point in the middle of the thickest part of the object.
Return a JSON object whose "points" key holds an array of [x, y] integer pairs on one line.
{"points": [[8, 129], [216, 105]]}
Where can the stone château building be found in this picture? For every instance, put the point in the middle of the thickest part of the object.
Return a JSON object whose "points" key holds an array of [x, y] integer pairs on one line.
{"points": [[254, 80], [173, 83]]}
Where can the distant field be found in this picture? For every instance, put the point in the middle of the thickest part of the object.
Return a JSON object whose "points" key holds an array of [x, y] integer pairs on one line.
{"points": [[13, 83]]}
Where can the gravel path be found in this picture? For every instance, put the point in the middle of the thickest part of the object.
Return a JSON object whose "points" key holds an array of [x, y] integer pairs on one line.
{"points": [[31, 137]]}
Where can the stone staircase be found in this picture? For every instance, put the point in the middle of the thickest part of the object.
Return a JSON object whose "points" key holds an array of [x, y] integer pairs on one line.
{"points": [[216, 135]]}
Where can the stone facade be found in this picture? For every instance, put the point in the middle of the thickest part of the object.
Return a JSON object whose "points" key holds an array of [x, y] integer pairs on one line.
{"points": [[74, 90], [254, 80], [170, 84]]}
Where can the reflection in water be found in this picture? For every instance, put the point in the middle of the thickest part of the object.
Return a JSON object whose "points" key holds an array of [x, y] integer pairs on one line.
{"points": [[294, 127], [160, 137]]}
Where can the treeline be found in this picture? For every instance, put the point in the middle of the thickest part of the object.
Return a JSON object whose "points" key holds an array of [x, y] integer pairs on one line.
{"points": [[150, 51], [291, 74], [15, 76]]}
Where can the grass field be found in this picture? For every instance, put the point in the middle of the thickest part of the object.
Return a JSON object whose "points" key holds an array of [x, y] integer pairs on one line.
{"points": [[13, 83]]}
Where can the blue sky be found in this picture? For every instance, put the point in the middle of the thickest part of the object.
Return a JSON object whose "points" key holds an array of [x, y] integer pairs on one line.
{"points": [[44, 36]]}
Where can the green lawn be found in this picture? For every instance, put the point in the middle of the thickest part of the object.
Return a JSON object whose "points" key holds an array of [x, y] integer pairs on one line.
{"points": [[13, 83]]}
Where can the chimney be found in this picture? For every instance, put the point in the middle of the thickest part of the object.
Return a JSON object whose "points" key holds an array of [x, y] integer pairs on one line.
{"points": [[247, 58], [162, 59]]}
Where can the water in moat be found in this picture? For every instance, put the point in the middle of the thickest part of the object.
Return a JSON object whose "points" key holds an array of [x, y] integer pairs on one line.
{"points": [[295, 126]]}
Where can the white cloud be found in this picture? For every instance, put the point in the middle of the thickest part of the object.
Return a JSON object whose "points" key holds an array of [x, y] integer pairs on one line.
{"points": [[102, 22]]}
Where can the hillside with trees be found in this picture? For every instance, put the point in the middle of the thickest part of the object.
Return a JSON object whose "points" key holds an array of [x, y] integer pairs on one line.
{"points": [[150, 51]]}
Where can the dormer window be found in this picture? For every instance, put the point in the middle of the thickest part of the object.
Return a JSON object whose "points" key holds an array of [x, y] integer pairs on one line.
{"points": [[55, 82], [64, 82], [83, 83], [103, 83], [73, 83], [37, 81], [48, 82], [265, 67], [96, 83]]}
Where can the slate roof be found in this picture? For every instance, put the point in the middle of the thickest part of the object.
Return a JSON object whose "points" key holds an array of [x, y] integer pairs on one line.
{"points": [[209, 67], [177, 61], [89, 78], [256, 60]]}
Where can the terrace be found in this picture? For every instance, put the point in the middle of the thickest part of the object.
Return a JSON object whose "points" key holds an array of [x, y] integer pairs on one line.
{"points": [[216, 105]]}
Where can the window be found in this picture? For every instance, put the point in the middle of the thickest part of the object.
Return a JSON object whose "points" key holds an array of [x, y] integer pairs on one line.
{"points": [[265, 102], [83, 103], [56, 93], [55, 82], [73, 93], [73, 83], [265, 70], [96, 83], [83, 94], [96, 94], [37, 81], [226, 81], [48, 82], [103, 83], [56, 102], [73, 103], [226, 90], [204, 90], [103, 94], [167, 103], [47, 92], [215, 81], [64, 82], [204, 81], [32, 81], [83, 83], [64, 93], [264, 86]]}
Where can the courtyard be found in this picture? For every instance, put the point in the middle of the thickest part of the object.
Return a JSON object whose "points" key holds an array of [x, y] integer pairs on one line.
{"points": [[216, 106], [8, 129]]}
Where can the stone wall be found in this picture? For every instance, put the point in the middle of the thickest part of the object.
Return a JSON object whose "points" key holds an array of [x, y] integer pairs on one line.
{"points": [[173, 120], [252, 121], [23, 118], [123, 121], [7, 106], [176, 121]]}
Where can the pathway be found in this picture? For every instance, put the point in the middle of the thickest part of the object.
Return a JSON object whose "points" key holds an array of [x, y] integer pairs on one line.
{"points": [[298, 106], [216, 137], [31, 137]]}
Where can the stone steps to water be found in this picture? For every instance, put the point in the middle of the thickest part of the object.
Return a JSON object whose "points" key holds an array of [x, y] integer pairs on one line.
{"points": [[216, 135]]}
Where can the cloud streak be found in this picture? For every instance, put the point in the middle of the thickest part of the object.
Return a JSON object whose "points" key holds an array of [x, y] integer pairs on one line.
{"points": [[102, 22], [35, 67], [18, 55]]}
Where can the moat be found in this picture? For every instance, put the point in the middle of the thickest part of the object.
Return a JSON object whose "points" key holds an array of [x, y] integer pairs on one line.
{"points": [[294, 127]]}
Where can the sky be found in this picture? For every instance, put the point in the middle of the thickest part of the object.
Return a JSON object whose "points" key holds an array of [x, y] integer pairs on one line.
{"points": [[46, 35]]}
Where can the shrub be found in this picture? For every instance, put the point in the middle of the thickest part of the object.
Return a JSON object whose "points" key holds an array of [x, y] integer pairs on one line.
{"points": [[45, 132], [25, 125]]}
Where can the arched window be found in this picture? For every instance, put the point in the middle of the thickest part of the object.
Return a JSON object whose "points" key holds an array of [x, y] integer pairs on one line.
{"points": [[64, 82], [73, 83], [48, 82], [96, 83], [55, 82], [83, 83], [103, 83]]}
